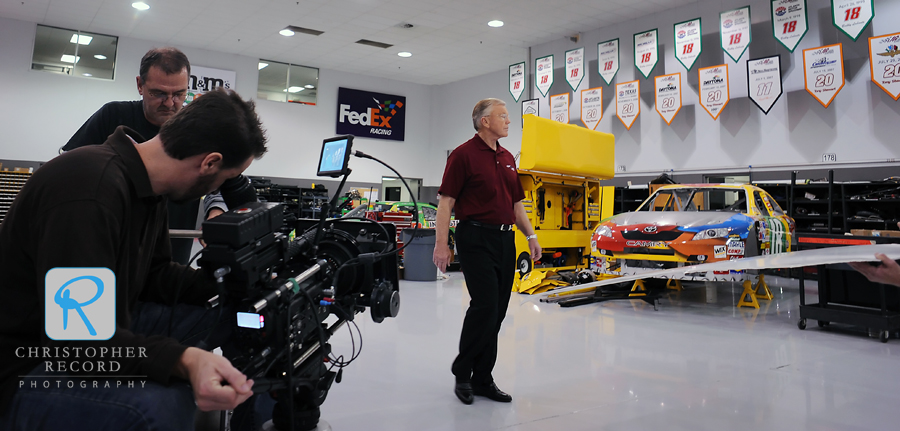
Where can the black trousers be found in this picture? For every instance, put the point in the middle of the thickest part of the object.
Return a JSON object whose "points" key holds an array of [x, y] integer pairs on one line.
{"points": [[487, 258]]}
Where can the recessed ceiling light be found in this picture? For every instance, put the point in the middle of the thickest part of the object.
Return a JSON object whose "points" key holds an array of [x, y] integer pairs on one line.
{"points": [[495, 23], [309, 86], [404, 54], [262, 65], [100, 57], [69, 59], [286, 32], [140, 5], [82, 39], [87, 74]]}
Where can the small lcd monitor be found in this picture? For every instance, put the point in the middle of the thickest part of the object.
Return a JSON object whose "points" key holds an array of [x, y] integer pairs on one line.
{"points": [[335, 156]]}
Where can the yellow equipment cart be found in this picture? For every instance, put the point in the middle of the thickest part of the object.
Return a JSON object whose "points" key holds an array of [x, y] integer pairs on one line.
{"points": [[560, 168]]}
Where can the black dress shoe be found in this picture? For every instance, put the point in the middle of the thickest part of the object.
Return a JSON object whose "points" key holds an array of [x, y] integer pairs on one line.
{"points": [[463, 391], [493, 392]]}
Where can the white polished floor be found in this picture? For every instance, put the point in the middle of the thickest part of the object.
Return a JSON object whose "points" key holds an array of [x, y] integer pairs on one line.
{"points": [[697, 363]]}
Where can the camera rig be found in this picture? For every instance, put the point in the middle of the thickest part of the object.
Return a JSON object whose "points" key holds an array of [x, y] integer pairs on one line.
{"points": [[282, 291]]}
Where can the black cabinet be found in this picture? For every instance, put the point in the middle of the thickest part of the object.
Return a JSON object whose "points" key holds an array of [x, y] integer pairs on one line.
{"points": [[627, 199]]}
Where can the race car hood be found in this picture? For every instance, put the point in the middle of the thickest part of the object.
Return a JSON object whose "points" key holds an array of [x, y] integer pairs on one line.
{"points": [[684, 219]]}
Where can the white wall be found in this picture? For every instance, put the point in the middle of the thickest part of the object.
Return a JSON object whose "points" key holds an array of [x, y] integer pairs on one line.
{"points": [[862, 124], [39, 111]]}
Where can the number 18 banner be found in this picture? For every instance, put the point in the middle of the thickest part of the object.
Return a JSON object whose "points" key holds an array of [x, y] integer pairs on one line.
{"points": [[734, 27], [852, 16], [592, 107], [884, 62], [668, 96], [789, 23], [823, 71]]}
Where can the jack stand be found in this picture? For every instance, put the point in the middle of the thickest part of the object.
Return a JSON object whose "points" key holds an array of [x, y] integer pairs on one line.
{"points": [[638, 289], [674, 284], [761, 284], [748, 296]]}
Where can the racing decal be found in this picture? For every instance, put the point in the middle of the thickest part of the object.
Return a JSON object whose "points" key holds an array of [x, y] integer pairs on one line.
{"points": [[719, 251], [734, 248]]}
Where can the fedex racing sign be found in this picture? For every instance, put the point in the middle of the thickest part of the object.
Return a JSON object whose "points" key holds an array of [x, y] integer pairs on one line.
{"points": [[370, 115]]}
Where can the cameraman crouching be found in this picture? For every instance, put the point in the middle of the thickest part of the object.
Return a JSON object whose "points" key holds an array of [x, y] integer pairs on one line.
{"points": [[99, 210]]}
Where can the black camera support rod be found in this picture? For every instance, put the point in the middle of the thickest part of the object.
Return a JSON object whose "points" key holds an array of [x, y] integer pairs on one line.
{"points": [[305, 275]]}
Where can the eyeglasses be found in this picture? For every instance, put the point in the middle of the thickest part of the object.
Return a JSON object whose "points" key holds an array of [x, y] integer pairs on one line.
{"points": [[503, 117], [178, 96]]}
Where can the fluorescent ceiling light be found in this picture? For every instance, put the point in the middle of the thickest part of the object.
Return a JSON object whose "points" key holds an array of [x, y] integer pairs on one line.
{"points": [[100, 57], [404, 54], [294, 89], [69, 59], [262, 65], [309, 86], [286, 32], [82, 39], [495, 23], [87, 74], [140, 5]]}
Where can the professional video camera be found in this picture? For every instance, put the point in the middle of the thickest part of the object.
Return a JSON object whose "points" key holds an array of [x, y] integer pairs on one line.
{"points": [[283, 290]]}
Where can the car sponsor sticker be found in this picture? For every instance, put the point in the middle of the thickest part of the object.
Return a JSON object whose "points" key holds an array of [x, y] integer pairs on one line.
{"points": [[734, 247], [719, 251], [649, 244]]}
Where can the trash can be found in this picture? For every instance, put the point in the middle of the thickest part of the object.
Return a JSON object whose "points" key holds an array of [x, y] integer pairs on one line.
{"points": [[417, 263]]}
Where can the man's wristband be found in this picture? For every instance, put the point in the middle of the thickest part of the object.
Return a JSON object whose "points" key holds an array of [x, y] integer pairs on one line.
{"points": [[530, 237]]}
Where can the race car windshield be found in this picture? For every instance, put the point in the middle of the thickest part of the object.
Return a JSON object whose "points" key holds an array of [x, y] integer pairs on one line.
{"points": [[697, 199]]}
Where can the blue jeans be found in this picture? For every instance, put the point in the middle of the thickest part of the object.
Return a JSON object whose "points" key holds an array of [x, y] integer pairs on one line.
{"points": [[63, 402]]}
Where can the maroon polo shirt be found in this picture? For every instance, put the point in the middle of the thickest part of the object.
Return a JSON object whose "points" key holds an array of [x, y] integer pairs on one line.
{"points": [[484, 183]]}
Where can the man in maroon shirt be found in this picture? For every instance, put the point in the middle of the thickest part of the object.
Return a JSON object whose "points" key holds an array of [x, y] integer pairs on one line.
{"points": [[481, 183]]}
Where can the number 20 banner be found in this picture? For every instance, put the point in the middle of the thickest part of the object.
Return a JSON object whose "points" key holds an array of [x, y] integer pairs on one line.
{"points": [[823, 71], [714, 94], [884, 62], [668, 96], [592, 107]]}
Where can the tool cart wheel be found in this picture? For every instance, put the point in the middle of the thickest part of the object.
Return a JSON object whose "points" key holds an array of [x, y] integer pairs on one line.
{"points": [[801, 324], [884, 336], [823, 323], [524, 264]]}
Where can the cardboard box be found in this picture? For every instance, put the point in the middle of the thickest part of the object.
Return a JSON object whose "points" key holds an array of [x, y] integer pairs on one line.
{"points": [[870, 232]]}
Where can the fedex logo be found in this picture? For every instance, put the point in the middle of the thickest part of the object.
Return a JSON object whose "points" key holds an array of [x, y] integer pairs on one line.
{"points": [[367, 118]]}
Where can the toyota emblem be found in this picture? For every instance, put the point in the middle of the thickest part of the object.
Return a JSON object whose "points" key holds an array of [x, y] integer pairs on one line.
{"points": [[650, 229]]}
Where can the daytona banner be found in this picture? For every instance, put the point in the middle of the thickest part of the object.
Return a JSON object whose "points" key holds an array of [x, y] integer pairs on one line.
{"points": [[517, 80], [714, 94], [668, 96]]}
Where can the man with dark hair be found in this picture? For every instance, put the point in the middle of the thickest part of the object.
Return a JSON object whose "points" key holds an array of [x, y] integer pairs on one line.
{"points": [[103, 207], [481, 183], [163, 86]]}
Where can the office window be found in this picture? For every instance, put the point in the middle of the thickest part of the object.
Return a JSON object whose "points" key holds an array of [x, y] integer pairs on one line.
{"points": [[284, 82], [73, 52]]}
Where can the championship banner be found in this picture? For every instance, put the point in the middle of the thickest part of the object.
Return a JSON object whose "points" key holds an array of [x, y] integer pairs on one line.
{"points": [[646, 51], [668, 96], [575, 67], [608, 59], [592, 107], [764, 81], [734, 27], [559, 108], [543, 74], [789, 22], [852, 16], [517, 80], [530, 106], [884, 62], [714, 94], [688, 42], [628, 102], [823, 71], [365, 114], [205, 79]]}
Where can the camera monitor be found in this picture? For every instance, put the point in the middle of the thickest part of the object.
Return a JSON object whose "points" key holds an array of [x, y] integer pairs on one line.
{"points": [[335, 156]]}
